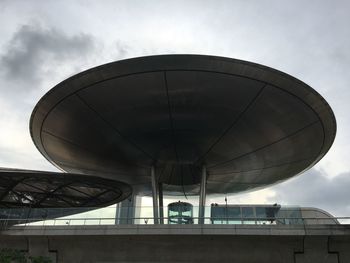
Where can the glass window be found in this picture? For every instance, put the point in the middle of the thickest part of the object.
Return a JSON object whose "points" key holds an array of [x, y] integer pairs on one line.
{"points": [[248, 212], [248, 215], [260, 212]]}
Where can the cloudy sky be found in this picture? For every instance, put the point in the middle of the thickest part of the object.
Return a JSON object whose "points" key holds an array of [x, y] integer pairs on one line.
{"points": [[44, 42]]}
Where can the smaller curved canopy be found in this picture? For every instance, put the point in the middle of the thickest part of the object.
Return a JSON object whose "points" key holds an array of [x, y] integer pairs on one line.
{"points": [[36, 189]]}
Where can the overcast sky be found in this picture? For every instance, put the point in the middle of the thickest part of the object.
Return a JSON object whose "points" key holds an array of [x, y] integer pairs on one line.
{"points": [[44, 42]]}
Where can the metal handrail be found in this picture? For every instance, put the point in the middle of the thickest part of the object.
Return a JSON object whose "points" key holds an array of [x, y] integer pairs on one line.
{"points": [[151, 217], [7, 223], [87, 216]]}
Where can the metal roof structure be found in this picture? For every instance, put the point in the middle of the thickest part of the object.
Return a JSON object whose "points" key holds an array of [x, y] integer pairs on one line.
{"points": [[36, 189], [249, 125]]}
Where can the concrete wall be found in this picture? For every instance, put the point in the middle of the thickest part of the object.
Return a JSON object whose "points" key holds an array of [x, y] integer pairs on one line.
{"points": [[107, 244]]}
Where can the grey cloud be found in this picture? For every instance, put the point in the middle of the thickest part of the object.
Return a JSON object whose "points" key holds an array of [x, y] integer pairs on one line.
{"points": [[121, 50], [32, 47], [315, 189]]}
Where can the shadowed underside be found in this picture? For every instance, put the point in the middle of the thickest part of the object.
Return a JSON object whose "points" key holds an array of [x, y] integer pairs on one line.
{"points": [[250, 125], [35, 189]]}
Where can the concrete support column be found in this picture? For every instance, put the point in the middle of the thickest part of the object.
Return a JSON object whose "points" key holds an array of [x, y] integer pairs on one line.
{"points": [[202, 195], [154, 195], [161, 209], [128, 211]]}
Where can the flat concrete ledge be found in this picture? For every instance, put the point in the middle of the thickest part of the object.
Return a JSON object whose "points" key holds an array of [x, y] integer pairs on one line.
{"points": [[241, 230], [183, 243]]}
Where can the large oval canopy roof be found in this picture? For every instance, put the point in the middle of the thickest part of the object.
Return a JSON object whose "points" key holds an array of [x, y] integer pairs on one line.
{"points": [[250, 125]]}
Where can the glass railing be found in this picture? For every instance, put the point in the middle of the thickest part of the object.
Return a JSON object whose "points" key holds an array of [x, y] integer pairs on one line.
{"points": [[232, 215]]}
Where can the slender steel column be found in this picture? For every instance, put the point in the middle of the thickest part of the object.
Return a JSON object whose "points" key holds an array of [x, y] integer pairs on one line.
{"points": [[161, 209], [154, 195], [202, 195]]}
